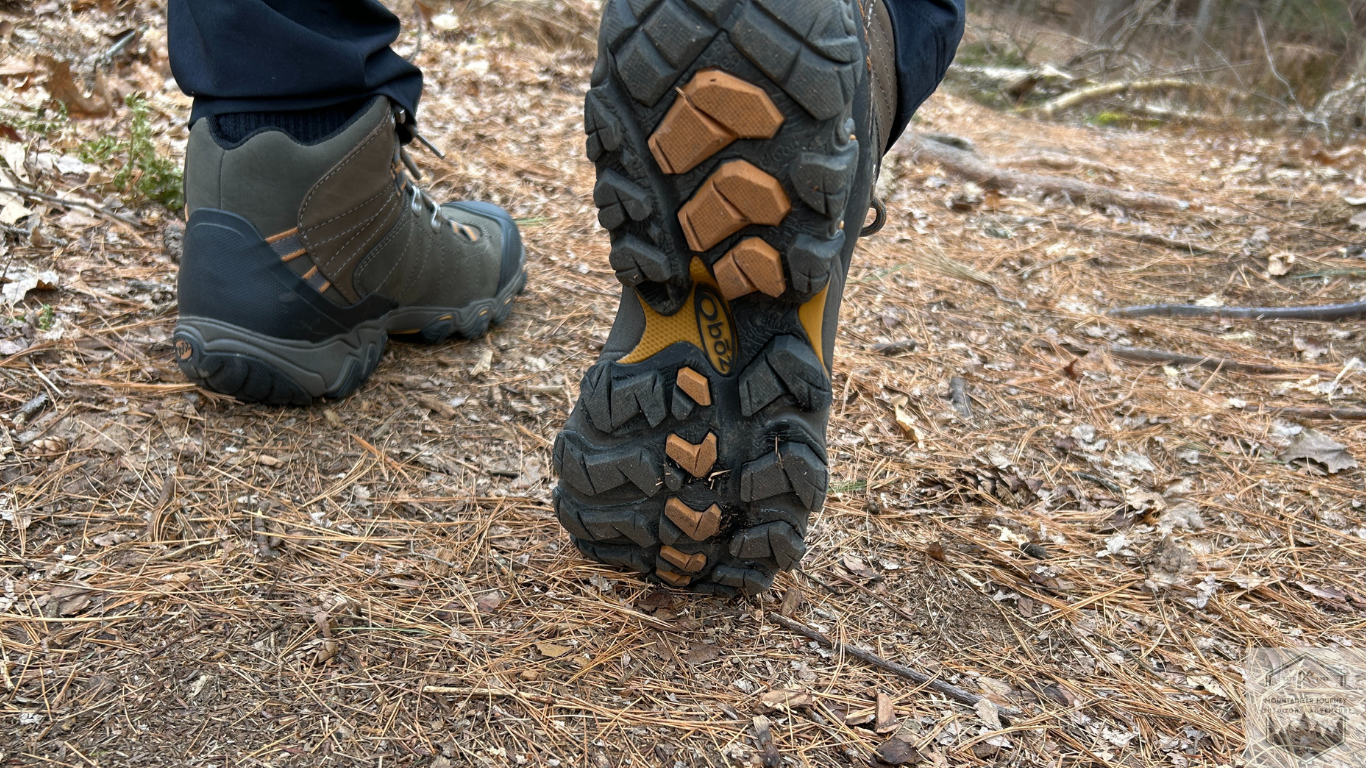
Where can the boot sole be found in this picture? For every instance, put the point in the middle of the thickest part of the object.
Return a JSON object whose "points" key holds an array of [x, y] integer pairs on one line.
{"points": [[725, 147], [256, 368]]}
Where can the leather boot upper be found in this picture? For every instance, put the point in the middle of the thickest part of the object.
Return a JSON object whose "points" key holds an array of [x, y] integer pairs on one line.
{"points": [[343, 214]]}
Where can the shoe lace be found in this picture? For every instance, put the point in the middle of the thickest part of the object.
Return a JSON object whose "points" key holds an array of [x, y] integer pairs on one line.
{"points": [[879, 217], [418, 199]]}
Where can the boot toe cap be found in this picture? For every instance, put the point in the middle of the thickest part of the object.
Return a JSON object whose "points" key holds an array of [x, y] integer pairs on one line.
{"points": [[509, 236]]}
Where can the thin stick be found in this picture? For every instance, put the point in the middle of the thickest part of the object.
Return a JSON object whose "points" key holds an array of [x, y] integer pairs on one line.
{"points": [[78, 203], [1325, 312], [933, 683], [1075, 98], [978, 170], [1326, 414], [1182, 246], [460, 690], [1145, 355]]}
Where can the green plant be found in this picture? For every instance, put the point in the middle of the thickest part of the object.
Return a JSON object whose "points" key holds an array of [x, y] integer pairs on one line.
{"points": [[979, 53], [46, 317], [1108, 119], [144, 174], [42, 123]]}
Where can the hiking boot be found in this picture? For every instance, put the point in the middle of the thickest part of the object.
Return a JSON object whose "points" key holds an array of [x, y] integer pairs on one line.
{"points": [[736, 143], [302, 259]]}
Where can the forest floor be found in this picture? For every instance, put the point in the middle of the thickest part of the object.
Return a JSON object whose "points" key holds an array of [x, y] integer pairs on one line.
{"points": [[1092, 540]]}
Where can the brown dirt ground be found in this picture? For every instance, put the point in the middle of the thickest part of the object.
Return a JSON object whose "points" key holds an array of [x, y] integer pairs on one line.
{"points": [[187, 580]]}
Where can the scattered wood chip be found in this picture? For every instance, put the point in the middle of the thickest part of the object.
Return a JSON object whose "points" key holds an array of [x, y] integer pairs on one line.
{"points": [[763, 739], [886, 714], [785, 698]]}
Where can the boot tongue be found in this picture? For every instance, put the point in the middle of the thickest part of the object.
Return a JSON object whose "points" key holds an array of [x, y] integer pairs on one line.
{"points": [[882, 67]]}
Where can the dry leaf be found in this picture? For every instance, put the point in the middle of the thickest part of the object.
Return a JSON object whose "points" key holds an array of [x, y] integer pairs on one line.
{"points": [[989, 713], [12, 206], [785, 698], [857, 567], [701, 654], [13, 153], [484, 363], [489, 601], [792, 600], [1279, 264], [20, 282], [269, 461], [894, 751], [906, 422], [1313, 445], [552, 650], [61, 84]]}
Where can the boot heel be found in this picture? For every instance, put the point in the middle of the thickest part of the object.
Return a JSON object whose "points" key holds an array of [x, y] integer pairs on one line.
{"points": [[253, 329]]}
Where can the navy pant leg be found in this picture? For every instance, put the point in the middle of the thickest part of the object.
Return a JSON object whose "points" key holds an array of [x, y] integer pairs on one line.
{"points": [[926, 36], [286, 55]]}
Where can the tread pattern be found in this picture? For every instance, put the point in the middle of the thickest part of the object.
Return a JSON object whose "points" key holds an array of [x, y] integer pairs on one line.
{"points": [[713, 110], [736, 196], [726, 152], [787, 367], [697, 459], [253, 380], [752, 265]]}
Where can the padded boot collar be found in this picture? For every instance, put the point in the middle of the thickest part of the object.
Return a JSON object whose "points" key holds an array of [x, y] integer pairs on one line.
{"points": [[882, 67]]}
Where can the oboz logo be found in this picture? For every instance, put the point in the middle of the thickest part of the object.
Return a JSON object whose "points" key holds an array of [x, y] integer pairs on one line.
{"points": [[713, 323]]}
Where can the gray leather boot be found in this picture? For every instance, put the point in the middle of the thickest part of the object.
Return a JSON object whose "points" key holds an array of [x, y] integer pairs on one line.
{"points": [[301, 260], [736, 145]]}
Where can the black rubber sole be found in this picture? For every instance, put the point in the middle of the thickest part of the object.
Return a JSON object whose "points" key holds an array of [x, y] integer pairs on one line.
{"points": [[727, 142], [254, 368]]}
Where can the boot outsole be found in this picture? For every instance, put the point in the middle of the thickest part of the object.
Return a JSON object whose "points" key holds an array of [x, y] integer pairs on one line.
{"points": [[725, 146], [256, 368]]}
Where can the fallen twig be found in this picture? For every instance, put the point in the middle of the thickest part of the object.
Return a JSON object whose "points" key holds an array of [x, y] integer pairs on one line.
{"points": [[1076, 98], [980, 171], [1184, 246], [1325, 312], [1325, 414], [1146, 355], [79, 203], [470, 691], [1058, 162], [933, 683]]}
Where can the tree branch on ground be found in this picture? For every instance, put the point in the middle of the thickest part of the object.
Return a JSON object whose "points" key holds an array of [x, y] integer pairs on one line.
{"points": [[979, 171], [1324, 312], [1104, 90]]}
